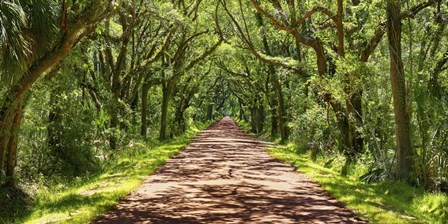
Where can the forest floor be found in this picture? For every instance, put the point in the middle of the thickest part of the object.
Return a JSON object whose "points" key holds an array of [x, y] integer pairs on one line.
{"points": [[226, 176]]}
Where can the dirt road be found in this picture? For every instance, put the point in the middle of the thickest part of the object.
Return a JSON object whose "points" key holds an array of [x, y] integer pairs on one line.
{"points": [[225, 176]]}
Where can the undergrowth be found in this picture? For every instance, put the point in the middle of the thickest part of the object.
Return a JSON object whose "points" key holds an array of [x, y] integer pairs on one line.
{"points": [[82, 200]]}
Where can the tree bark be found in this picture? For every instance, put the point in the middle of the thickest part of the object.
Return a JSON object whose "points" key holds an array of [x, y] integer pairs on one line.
{"points": [[281, 108], [12, 148], [54, 124], [355, 111], [210, 112], [274, 120], [253, 120], [144, 122], [241, 110], [261, 118], [114, 111], [402, 133], [166, 93], [179, 119]]}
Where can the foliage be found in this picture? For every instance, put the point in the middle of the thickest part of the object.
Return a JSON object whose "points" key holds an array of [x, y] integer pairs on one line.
{"points": [[82, 80]]}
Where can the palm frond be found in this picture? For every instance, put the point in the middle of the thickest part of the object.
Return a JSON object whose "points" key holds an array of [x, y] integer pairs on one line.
{"points": [[42, 16], [13, 44]]}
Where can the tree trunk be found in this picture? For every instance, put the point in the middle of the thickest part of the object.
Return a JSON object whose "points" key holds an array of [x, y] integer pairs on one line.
{"points": [[114, 124], [253, 120], [402, 133], [10, 116], [134, 108], [281, 110], [354, 109], [144, 124], [257, 118], [241, 110], [54, 124], [345, 146], [166, 92], [261, 118], [274, 120], [180, 121], [5, 136], [115, 109], [210, 112], [12, 149]]}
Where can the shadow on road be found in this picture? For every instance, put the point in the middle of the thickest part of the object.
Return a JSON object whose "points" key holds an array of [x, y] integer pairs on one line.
{"points": [[225, 176]]}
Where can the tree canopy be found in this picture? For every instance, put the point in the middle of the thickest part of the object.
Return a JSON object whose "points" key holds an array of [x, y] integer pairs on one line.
{"points": [[363, 80]]}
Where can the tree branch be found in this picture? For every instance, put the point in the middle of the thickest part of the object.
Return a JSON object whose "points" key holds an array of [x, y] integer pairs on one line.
{"points": [[380, 30]]}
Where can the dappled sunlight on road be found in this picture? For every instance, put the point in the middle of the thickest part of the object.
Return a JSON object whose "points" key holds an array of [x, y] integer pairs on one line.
{"points": [[225, 176]]}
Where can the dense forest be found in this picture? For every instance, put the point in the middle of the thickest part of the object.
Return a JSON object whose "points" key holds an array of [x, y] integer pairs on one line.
{"points": [[359, 83]]}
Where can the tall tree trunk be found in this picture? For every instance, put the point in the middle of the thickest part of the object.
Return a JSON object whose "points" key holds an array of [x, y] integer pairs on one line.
{"points": [[354, 108], [210, 112], [10, 116], [166, 92], [274, 119], [241, 110], [353, 103], [144, 123], [114, 124], [402, 133], [281, 110], [261, 118], [12, 148], [7, 123], [257, 117], [253, 120], [343, 125], [134, 108], [180, 121], [54, 125]]}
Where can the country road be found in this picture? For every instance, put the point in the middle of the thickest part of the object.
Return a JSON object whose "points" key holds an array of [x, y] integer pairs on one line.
{"points": [[225, 176]]}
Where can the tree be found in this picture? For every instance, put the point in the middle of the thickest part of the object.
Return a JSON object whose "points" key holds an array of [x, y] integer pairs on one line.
{"points": [[182, 55], [295, 22], [125, 57], [400, 98], [184, 94], [45, 51]]}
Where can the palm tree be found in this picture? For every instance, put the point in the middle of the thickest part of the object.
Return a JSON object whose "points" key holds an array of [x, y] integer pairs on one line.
{"points": [[35, 36]]}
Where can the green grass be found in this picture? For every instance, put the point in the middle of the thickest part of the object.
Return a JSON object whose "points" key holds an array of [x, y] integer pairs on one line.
{"points": [[384, 202], [86, 199]]}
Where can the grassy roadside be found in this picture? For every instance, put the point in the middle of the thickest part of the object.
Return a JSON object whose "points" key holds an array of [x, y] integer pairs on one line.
{"points": [[85, 200], [384, 202]]}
